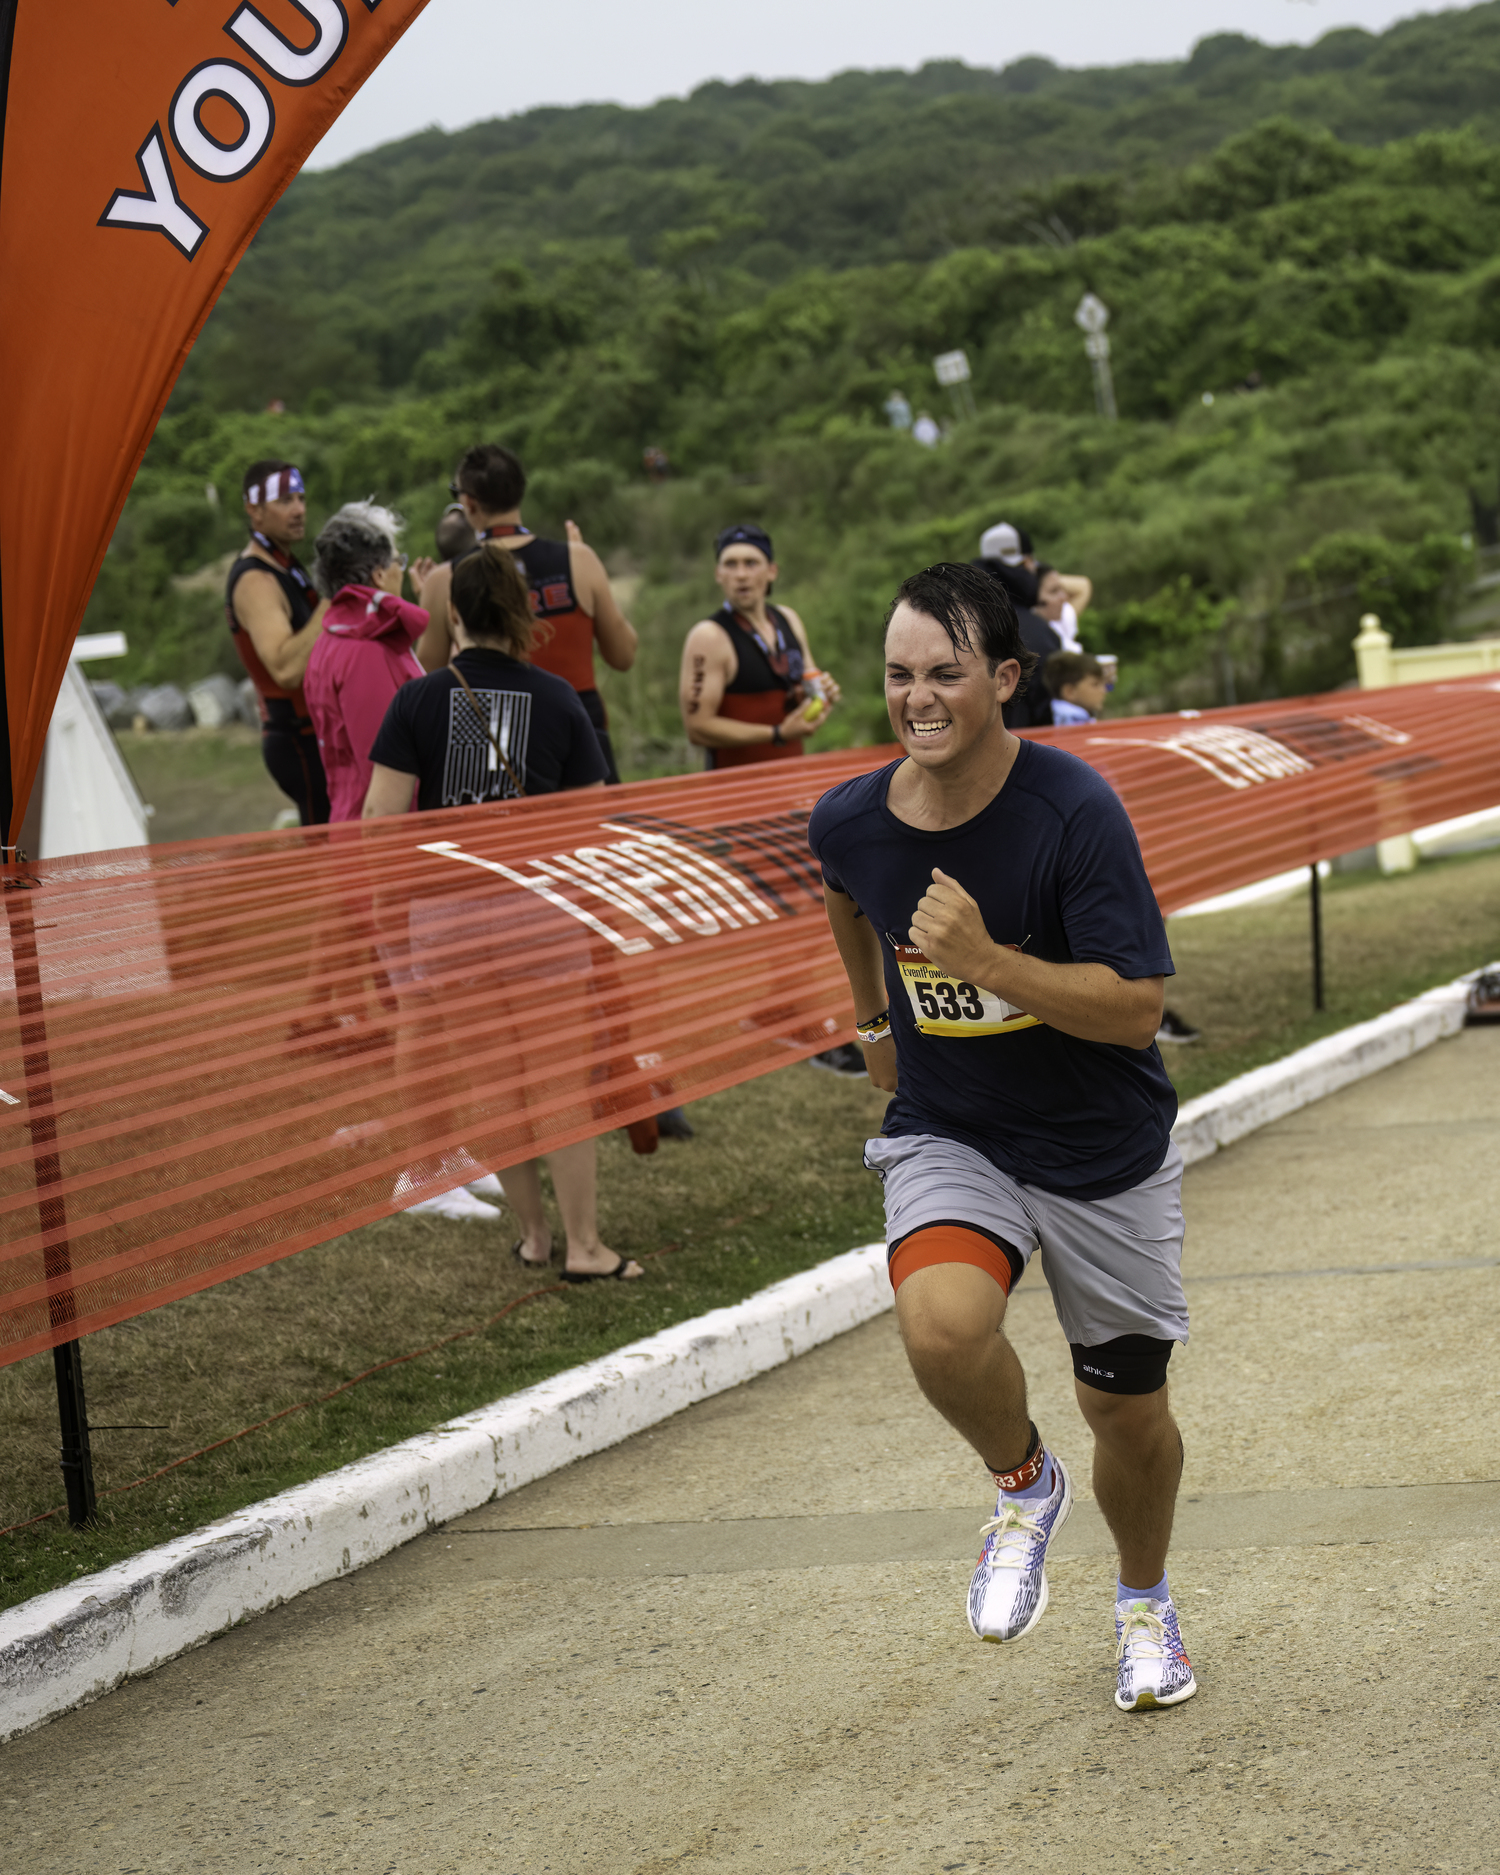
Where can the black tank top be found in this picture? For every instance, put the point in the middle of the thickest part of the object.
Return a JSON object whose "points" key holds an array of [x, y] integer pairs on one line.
{"points": [[567, 647], [549, 574], [760, 670], [279, 708]]}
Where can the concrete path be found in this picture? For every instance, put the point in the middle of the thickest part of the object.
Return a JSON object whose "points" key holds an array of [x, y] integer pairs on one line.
{"points": [[737, 1643]]}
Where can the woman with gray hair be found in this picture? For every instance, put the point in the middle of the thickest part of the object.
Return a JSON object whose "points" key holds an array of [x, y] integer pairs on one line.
{"points": [[365, 653], [363, 658]]}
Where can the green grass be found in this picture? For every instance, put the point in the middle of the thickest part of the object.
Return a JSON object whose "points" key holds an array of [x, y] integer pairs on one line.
{"points": [[772, 1184], [203, 782], [1245, 977]]}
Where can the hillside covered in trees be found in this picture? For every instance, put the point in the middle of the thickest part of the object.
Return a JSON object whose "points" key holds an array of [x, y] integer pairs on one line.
{"points": [[742, 277]]}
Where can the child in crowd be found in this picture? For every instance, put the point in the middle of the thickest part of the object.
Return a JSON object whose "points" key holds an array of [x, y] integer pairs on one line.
{"points": [[1077, 684]]}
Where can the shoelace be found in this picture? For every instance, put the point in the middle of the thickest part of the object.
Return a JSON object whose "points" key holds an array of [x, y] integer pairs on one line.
{"points": [[1013, 1527], [1152, 1641]]}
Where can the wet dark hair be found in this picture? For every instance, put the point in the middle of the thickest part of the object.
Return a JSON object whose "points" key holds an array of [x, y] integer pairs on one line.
{"points": [[973, 609], [491, 475], [1018, 582], [492, 599]]}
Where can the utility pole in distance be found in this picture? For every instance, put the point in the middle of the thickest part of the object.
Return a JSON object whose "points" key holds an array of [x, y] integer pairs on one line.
{"points": [[1093, 315]]}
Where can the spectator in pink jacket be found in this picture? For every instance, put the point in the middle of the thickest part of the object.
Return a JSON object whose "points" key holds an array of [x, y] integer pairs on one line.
{"points": [[365, 654]]}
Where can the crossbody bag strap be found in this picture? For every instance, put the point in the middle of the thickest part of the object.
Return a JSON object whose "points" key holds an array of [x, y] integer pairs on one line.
{"points": [[484, 722]]}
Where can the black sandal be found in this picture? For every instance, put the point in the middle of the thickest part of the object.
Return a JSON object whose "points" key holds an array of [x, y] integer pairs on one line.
{"points": [[526, 1262], [617, 1274]]}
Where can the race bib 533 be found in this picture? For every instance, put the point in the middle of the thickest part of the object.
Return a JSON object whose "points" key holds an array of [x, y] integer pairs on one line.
{"points": [[944, 1006]]}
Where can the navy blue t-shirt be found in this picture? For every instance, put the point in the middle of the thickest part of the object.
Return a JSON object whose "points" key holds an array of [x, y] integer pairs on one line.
{"points": [[1055, 868]]}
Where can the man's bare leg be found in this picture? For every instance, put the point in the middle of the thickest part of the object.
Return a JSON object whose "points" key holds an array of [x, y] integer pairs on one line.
{"points": [[1137, 1465], [951, 1318]]}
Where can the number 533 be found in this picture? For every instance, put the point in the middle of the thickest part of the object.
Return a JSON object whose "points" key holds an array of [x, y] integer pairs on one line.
{"points": [[949, 1002]]}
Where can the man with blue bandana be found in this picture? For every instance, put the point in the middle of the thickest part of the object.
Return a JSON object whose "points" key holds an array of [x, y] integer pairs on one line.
{"points": [[748, 691]]}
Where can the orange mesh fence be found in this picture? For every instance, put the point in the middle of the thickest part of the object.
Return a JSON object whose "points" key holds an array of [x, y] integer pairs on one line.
{"points": [[217, 1053]]}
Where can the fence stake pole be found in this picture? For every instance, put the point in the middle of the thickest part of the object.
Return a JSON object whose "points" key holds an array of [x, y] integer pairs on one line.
{"points": [[73, 1421], [67, 1361], [1315, 901]]}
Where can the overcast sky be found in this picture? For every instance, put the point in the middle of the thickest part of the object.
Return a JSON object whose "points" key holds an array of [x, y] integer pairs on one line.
{"points": [[464, 60]]}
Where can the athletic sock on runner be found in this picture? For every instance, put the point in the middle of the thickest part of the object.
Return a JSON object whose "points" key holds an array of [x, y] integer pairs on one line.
{"points": [[1160, 1593]]}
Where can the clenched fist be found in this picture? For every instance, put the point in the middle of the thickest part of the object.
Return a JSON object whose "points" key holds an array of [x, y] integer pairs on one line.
{"points": [[948, 927]]}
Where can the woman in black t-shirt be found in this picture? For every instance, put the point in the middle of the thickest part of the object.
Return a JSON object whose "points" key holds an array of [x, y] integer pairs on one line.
{"points": [[489, 727]]}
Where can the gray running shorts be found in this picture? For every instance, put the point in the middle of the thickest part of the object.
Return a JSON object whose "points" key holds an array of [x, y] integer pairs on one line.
{"points": [[1114, 1265]]}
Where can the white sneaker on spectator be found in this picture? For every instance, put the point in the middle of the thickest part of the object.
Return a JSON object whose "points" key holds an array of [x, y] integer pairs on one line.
{"points": [[459, 1204]]}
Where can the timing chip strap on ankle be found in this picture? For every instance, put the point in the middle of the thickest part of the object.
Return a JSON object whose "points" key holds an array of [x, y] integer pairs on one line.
{"points": [[1026, 1473]]}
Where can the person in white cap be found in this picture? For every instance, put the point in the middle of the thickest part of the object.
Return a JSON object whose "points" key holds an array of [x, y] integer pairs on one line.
{"points": [[1002, 556], [1002, 542], [1011, 546]]}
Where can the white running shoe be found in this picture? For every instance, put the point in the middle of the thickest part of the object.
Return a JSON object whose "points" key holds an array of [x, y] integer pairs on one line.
{"points": [[487, 1187], [458, 1205], [1008, 1591], [1152, 1667]]}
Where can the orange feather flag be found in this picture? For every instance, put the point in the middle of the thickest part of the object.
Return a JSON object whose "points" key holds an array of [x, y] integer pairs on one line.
{"points": [[141, 147]]}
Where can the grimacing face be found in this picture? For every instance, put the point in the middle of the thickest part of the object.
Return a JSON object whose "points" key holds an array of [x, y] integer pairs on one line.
{"points": [[744, 575], [942, 702]]}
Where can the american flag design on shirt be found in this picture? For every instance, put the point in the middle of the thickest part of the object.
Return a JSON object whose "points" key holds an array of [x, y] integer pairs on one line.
{"points": [[471, 769]]}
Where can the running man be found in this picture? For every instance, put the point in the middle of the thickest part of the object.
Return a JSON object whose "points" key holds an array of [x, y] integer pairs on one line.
{"points": [[743, 692], [276, 617], [570, 590], [1006, 958]]}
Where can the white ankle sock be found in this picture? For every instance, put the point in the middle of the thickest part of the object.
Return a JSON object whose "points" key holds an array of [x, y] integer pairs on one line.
{"points": [[1161, 1593]]}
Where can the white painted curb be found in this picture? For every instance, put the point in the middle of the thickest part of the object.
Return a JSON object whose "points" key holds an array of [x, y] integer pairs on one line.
{"points": [[1213, 1121], [76, 1643]]}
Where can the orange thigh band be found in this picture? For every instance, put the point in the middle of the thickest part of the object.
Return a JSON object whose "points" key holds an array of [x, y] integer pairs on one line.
{"points": [[953, 1243]]}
